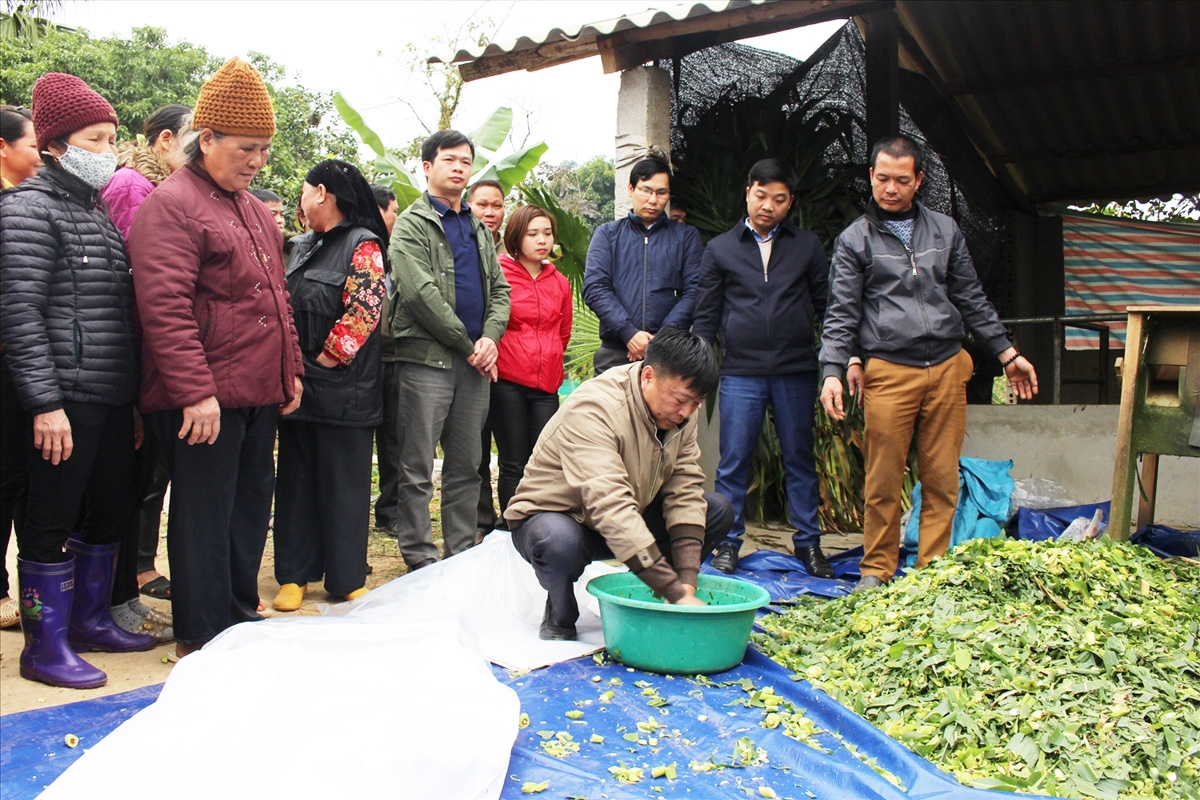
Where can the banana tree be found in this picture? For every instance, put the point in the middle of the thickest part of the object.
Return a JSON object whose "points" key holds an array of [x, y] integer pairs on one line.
{"points": [[488, 138]]}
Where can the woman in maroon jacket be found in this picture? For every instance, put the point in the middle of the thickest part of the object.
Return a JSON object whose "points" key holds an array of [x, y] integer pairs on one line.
{"points": [[220, 358], [530, 363]]}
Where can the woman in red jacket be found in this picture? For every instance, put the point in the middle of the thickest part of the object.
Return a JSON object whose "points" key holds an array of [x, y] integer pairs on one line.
{"points": [[530, 364]]}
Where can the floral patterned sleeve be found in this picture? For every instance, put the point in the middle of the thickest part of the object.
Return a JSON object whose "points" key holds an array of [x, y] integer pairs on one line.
{"points": [[363, 298]]}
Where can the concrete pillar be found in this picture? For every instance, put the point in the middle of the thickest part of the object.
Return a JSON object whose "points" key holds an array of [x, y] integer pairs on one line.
{"points": [[643, 119]]}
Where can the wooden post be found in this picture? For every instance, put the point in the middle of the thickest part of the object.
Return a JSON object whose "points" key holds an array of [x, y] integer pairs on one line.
{"points": [[1124, 468], [1149, 493], [883, 75]]}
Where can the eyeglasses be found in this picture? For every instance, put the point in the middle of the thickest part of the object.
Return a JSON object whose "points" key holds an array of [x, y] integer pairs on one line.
{"points": [[647, 192]]}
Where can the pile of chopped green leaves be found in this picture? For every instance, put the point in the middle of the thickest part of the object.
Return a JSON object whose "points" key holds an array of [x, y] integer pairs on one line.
{"points": [[1068, 669]]}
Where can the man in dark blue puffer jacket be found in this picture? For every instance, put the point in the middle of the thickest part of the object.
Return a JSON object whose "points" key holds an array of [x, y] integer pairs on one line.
{"points": [[643, 271]]}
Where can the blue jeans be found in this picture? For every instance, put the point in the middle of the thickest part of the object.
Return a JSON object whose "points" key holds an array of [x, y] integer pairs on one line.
{"points": [[743, 405]]}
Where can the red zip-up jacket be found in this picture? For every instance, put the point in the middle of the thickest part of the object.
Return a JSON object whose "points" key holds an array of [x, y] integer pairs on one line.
{"points": [[539, 327]]}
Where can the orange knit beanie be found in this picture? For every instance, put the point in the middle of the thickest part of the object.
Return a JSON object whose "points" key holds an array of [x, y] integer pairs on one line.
{"points": [[235, 101]]}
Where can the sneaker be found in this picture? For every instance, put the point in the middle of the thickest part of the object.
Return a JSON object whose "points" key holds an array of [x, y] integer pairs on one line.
{"points": [[725, 558], [866, 583], [130, 617], [814, 561]]}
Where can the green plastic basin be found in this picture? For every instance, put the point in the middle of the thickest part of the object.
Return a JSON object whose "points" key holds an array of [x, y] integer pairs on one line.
{"points": [[645, 632]]}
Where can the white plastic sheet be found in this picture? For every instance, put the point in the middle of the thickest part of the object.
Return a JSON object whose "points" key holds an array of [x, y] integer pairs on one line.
{"points": [[316, 707], [496, 594], [389, 696]]}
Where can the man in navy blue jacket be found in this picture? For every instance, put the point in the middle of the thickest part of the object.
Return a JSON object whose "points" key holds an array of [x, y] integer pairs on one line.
{"points": [[643, 271], [763, 285]]}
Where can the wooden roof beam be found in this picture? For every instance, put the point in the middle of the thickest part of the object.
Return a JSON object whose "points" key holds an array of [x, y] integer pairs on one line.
{"points": [[1008, 84], [1106, 152]]}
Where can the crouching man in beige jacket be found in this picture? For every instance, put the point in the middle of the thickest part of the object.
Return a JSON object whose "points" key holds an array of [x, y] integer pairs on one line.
{"points": [[616, 473]]}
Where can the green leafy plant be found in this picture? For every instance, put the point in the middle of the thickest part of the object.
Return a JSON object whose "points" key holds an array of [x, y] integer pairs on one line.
{"points": [[1060, 668]]}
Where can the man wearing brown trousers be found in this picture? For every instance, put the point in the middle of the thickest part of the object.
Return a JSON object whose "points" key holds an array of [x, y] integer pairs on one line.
{"points": [[901, 289]]}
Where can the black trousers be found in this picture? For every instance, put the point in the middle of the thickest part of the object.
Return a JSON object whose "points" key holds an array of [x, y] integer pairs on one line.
{"points": [[220, 508], [16, 439], [387, 447], [559, 548], [486, 519], [323, 505], [139, 544], [100, 471], [518, 414]]}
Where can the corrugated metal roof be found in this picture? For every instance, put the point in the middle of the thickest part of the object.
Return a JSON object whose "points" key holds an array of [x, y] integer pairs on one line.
{"points": [[1072, 100], [589, 32], [1068, 100]]}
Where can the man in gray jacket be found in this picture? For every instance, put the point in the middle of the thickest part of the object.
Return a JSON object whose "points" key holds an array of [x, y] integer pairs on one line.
{"points": [[902, 286], [449, 308]]}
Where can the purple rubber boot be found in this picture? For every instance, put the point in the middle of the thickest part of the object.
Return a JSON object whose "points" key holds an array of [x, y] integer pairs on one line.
{"points": [[45, 595], [92, 626]]}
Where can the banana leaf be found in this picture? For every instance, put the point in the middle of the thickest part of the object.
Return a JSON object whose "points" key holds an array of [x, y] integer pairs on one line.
{"points": [[388, 169], [513, 168]]}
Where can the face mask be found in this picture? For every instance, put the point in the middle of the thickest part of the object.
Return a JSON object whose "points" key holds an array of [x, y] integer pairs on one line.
{"points": [[94, 169]]}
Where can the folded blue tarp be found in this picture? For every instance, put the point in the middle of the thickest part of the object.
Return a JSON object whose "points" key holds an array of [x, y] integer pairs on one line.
{"points": [[984, 493]]}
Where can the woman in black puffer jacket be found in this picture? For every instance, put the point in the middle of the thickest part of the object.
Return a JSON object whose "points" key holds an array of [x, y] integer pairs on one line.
{"points": [[66, 320]]}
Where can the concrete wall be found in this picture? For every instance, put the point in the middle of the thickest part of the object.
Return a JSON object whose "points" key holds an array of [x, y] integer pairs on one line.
{"points": [[643, 119], [1073, 445], [1076, 446]]}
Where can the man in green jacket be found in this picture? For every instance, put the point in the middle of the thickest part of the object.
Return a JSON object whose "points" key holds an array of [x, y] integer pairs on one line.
{"points": [[449, 308]]}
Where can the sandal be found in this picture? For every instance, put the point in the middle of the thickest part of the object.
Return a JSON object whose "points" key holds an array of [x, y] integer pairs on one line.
{"points": [[135, 617], [159, 588], [10, 612]]}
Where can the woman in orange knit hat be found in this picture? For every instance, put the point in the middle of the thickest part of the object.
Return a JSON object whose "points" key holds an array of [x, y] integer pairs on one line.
{"points": [[220, 358]]}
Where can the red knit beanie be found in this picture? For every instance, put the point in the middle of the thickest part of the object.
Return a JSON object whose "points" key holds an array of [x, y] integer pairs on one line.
{"points": [[62, 104]]}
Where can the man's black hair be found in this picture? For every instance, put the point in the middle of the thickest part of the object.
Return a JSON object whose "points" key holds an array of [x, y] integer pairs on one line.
{"points": [[444, 140], [646, 169], [485, 182], [679, 353], [266, 195], [383, 196], [900, 146], [771, 170]]}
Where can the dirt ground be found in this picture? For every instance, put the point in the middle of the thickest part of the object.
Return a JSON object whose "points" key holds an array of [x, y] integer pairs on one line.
{"points": [[128, 671]]}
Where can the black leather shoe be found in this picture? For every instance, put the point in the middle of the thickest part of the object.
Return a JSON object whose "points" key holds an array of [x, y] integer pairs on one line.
{"points": [[555, 633], [424, 562], [725, 558], [866, 583], [814, 561]]}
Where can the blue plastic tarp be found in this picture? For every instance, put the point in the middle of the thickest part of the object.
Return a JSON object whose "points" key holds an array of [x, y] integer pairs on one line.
{"points": [[783, 575], [701, 723], [32, 748], [984, 493], [1039, 524], [1165, 542]]}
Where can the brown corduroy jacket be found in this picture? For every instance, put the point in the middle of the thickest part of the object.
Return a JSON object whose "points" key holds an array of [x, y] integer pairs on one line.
{"points": [[208, 272], [600, 460]]}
